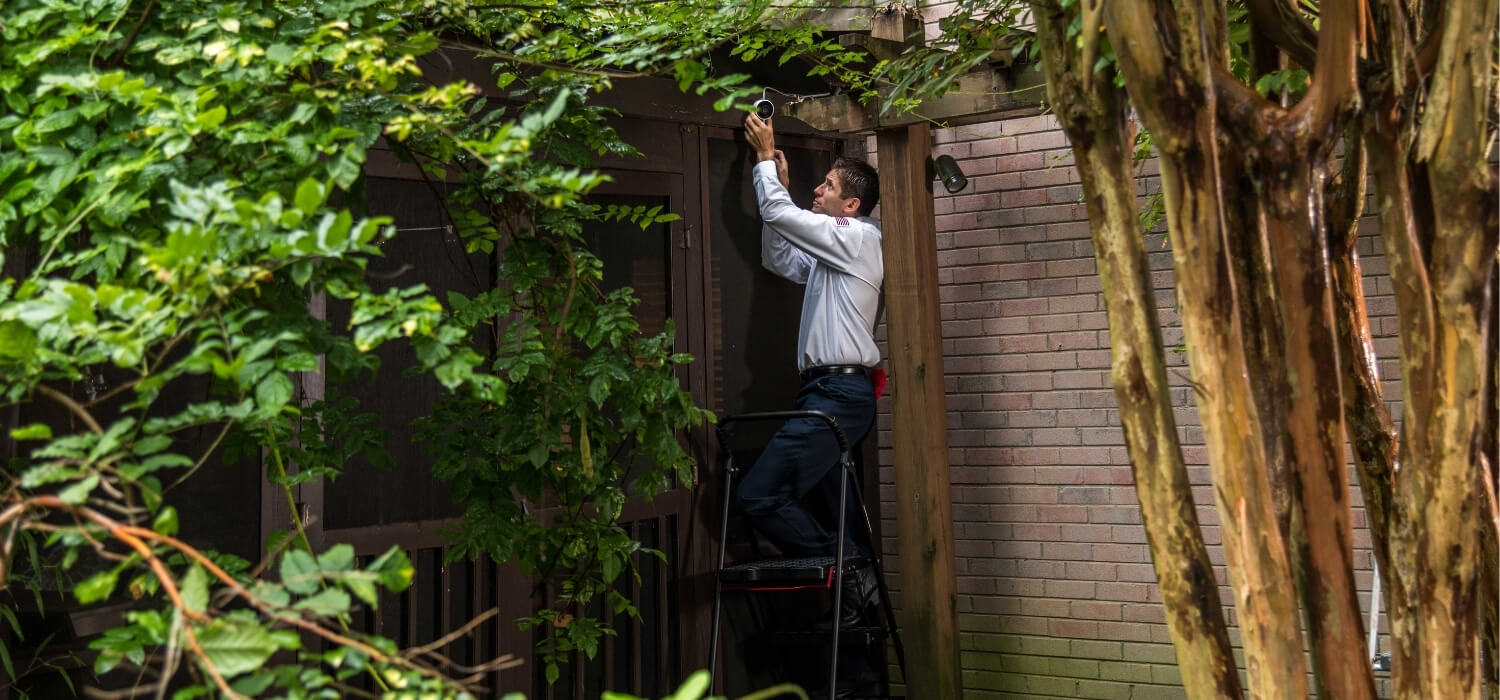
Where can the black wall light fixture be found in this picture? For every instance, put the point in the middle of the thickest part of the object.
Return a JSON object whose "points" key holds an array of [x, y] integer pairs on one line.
{"points": [[947, 170]]}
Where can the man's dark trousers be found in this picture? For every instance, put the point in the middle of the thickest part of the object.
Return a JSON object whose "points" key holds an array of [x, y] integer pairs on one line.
{"points": [[802, 456]]}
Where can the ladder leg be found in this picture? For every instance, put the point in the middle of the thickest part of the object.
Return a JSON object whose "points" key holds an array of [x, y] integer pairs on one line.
{"points": [[838, 583], [885, 593], [713, 653], [890, 620]]}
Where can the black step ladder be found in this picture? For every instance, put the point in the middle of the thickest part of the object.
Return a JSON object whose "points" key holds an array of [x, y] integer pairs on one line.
{"points": [[802, 573]]}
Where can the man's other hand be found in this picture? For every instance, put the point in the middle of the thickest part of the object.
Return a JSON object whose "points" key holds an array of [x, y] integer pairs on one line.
{"points": [[782, 173], [761, 138]]}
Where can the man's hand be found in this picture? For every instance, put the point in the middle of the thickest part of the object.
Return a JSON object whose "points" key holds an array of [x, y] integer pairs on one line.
{"points": [[761, 138], [781, 169]]}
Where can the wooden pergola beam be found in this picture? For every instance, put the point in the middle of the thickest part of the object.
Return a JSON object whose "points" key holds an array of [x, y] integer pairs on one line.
{"points": [[982, 95]]}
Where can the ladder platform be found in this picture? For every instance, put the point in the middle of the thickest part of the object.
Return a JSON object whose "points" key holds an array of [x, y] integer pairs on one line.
{"points": [[785, 573]]}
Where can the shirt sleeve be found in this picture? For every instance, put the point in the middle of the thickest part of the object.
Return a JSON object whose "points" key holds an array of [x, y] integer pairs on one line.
{"points": [[783, 258], [832, 241]]}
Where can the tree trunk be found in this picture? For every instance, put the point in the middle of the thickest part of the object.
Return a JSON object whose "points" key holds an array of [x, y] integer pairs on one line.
{"points": [[1177, 102], [1454, 141], [1094, 120], [1371, 432], [1398, 229], [1314, 421]]}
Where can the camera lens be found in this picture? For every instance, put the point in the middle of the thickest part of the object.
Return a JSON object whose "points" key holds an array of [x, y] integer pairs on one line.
{"points": [[764, 109]]}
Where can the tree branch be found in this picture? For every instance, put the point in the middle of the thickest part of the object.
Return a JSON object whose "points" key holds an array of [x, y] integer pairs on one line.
{"points": [[119, 55], [1335, 85], [201, 460], [452, 636], [1280, 22], [71, 405]]}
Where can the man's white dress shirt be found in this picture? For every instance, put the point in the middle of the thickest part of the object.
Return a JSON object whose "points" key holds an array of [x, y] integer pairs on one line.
{"points": [[840, 261]]}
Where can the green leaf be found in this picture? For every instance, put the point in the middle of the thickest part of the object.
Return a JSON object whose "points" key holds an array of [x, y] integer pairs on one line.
{"points": [[17, 103], [17, 341], [612, 565], [254, 684], [151, 444], [195, 589], [274, 391], [10, 668], [15, 624], [281, 53], [339, 557], [35, 431], [76, 494], [694, 688], [271, 593], [328, 603], [96, 587], [364, 588], [309, 196], [235, 647], [299, 572], [56, 121], [166, 521], [394, 568], [211, 119]]}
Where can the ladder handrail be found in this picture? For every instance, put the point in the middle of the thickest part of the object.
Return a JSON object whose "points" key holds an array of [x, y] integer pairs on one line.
{"points": [[727, 421]]}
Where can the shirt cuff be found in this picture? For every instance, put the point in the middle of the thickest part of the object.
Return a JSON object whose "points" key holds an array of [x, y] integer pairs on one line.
{"points": [[766, 167]]}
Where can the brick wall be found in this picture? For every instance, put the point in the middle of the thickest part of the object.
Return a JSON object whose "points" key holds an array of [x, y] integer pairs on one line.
{"points": [[1057, 596]]}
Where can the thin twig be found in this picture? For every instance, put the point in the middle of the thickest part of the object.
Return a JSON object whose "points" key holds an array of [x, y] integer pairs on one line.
{"points": [[351, 691], [71, 405], [124, 534], [135, 31], [121, 694], [291, 500], [452, 636], [206, 453], [499, 663], [134, 536], [562, 318], [173, 652]]}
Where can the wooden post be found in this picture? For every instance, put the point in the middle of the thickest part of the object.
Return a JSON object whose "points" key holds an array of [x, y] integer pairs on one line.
{"points": [[924, 507]]}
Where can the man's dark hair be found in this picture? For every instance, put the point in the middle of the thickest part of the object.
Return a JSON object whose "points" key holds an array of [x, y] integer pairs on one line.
{"points": [[858, 179]]}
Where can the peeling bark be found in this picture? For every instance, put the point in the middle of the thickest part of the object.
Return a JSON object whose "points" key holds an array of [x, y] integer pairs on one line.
{"points": [[1372, 434], [1408, 271], [1453, 140], [1093, 117], [1176, 99], [1288, 151], [1278, 337]]}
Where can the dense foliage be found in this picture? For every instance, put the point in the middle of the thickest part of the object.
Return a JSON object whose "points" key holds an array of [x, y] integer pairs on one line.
{"points": [[181, 188]]}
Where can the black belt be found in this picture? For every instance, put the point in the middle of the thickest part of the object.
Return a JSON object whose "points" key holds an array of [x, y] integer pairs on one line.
{"points": [[812, 373]]}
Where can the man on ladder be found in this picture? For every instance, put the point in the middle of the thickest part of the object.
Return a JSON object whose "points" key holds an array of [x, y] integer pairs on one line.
{"points": [[835, 251]]}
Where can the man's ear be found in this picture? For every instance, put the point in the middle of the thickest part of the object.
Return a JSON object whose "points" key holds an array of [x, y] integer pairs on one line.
{"points": [[851, 206]]}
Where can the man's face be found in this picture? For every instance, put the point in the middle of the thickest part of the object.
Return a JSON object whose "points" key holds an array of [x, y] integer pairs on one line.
{"points": [[827, 199]]}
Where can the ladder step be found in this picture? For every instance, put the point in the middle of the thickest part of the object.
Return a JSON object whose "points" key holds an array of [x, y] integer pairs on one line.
{"points": [[801, 572], [855, 636]]}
